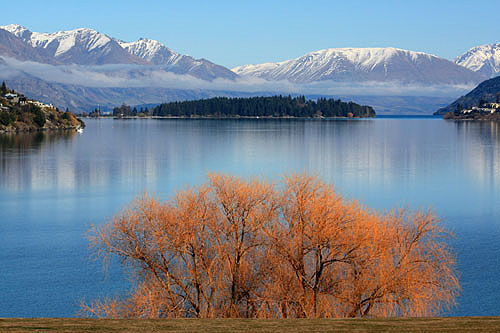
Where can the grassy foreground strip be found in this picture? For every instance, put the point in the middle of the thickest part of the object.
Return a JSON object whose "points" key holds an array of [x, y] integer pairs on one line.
{"points": [[466, 324]]}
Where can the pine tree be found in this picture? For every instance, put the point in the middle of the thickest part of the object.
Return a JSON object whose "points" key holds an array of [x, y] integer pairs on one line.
{"points": [[4, 88]]}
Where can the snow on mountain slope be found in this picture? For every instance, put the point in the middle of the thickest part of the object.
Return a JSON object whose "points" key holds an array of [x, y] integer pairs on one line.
{"points": [[484, 59], [89, 47], [15, 47], [151, 50], [80, 46], [158, 54], [364, 64]]}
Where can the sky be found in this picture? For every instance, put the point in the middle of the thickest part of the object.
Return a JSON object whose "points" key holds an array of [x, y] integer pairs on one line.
{"points": [[237, 32]]}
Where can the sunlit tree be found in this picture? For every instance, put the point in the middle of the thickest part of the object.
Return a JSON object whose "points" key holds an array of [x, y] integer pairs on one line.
{"points": [[247, 248]]}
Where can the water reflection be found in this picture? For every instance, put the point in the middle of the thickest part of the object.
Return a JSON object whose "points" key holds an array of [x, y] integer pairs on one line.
{"points": [[385, 154], [23, 162], [53, 185], [32, 140], [481, 142]]}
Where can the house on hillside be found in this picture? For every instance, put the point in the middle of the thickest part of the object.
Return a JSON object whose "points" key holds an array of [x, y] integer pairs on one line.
{"points": [[484, 108], [10, 96], [40, 104]]}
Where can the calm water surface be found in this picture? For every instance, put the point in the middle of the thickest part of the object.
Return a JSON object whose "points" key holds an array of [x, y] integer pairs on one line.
{"points": [[54, 186]]}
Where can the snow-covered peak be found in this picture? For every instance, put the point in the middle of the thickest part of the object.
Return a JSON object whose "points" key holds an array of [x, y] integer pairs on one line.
{"points": [[145, 45], [360, 57], [14, 28], [17, 30], [483, 59], [365, 56], [158, 54], [89, 39], [362, 64], [81, 46], [150, 50]]}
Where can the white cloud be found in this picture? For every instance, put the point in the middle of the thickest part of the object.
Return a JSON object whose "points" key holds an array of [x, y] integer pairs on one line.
{"points": [[124, 76]]}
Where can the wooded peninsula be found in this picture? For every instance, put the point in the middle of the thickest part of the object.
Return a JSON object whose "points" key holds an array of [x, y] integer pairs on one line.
{"points": [[275, 106]]}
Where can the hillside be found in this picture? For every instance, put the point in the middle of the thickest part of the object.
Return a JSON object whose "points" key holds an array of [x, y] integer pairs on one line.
{"points": [[486, 91], [19, 114]]}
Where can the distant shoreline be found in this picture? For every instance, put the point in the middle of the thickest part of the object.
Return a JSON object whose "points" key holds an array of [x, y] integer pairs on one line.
{"points": [[471, 116], [221, 117]]}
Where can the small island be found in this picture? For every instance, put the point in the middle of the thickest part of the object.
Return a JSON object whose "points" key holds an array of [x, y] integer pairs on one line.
{"points": [[252, 107], [272, 107], [21, 114]]}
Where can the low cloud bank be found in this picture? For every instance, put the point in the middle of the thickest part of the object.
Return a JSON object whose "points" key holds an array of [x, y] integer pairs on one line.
{"points": [[126, 76]]}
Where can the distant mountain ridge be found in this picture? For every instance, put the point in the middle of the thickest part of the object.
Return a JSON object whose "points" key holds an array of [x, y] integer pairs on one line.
{"points": [[86, 46], [484, 59], [80, 46], [15, 47], [158, 54], [83, 67], [364, 64]]}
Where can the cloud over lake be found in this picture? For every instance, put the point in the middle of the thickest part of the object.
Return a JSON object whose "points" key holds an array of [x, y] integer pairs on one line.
{"points": [[128, 76]]}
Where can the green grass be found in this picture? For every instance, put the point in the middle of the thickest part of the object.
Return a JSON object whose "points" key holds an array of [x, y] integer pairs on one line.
{"points": [[465, 324]]}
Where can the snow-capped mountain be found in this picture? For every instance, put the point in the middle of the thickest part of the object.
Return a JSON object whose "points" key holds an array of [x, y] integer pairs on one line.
{"points": [[15, 47], [81, 68], [364, 64], [484, 59], [80, 46], [150, 50], [89, 47], [158, 54]]}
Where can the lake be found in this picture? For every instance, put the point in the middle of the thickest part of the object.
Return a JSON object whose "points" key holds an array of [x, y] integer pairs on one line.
{"points": [[54, 186]]}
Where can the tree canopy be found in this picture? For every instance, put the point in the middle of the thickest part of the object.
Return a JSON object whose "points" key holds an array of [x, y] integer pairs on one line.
{"points": [[276, 106], [249, 248]]}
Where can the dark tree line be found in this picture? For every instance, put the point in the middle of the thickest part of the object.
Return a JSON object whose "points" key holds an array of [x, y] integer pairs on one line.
{"points": [[126, 111], [276, 106]]}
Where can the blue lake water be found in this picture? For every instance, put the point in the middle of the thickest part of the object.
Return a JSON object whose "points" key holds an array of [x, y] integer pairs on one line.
{"points": [[54, 186]]}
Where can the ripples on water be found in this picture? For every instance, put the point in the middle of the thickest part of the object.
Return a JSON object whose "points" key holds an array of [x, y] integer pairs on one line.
{"points": [[54, 185]]}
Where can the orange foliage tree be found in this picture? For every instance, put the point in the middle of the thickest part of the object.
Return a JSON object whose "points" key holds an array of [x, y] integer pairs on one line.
{"points": [[237, 248]]}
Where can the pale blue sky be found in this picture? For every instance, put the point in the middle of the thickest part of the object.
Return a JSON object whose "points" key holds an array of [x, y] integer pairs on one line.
{"points": [[237, 32]]}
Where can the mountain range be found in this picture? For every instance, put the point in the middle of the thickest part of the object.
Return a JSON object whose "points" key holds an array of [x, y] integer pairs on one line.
{"points": [[88, 47], [364, 64], [81, 62]]}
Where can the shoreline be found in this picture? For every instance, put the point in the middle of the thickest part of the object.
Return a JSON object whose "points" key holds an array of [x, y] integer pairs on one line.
{"points": [[471, 116], [34, 130], [222, 117]]}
